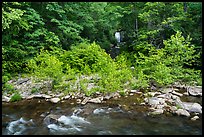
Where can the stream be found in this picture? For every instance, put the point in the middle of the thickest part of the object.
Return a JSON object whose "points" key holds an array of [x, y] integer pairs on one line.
{"points": [[114, 117]]}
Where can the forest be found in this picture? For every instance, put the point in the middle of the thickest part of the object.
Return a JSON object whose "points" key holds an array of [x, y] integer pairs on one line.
{"points": [[160, 43]]}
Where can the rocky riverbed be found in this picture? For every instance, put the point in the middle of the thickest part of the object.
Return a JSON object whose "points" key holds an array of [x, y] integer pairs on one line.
{"points": [[171, 99]]}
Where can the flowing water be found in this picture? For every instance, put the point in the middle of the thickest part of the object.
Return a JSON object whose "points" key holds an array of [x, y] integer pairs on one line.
{"points": [[116, 117]]}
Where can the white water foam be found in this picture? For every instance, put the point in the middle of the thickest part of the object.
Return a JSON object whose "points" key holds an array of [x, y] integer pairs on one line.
{"points": [[17, 127], [68, 124]]}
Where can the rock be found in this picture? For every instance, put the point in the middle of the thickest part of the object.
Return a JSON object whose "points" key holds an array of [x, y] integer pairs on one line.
{"points": [[39, 96], [185, 93], [178, 102], [194, 91], [154, 93], [182, 112], [167, 90], [192, 107], [161, 100], [179, 85], [131, 94], [46, 96], [51, 118], [5, 99], [90, 86], [95, 100], [66, 97], [194, 118], [78, 101], [176, 93], [159, 106], [164, 96], [173, 108], [153, 101], [30, 97], [85, 100], [135, 91], [54, 100], [174, 97], [22, 80], [157, 112], [98, 110], [59, 95], [112, 95], [25, 94]]}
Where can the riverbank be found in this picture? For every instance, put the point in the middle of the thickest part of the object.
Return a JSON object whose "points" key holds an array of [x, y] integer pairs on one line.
{"points": [[171, 99], [121, 116]]}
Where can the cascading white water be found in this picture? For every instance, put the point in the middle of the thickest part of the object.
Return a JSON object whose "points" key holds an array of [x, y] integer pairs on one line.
{"points": [[117, 36]]}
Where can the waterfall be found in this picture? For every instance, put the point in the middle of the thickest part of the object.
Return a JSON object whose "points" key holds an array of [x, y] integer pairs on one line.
{"points": [[117, 36]]}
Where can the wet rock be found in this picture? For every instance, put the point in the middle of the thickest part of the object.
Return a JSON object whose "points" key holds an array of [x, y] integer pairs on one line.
{"points": [[51, 118], [54, 100], [107, 132], [182, 112], [194, 118], [194, 91], [98, 110]]}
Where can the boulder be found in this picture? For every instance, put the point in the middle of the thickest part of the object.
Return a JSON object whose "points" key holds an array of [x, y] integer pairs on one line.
{"points": [[182, 112], [194, 91], [192, 107]]}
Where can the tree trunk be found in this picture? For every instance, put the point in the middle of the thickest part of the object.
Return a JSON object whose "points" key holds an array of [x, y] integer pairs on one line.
{"points": [[185, 6]]}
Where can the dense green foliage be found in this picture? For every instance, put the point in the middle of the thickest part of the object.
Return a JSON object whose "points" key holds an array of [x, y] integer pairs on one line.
{"points": [[65, 41]]}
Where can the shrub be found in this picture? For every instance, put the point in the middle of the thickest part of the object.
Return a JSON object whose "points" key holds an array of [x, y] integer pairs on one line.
{"points": [[46, 65], [166, 65], [16, 97], [86, 58]]}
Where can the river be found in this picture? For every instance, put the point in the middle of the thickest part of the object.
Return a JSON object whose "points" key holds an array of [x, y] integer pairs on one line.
{"points": [[115, 117]]}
